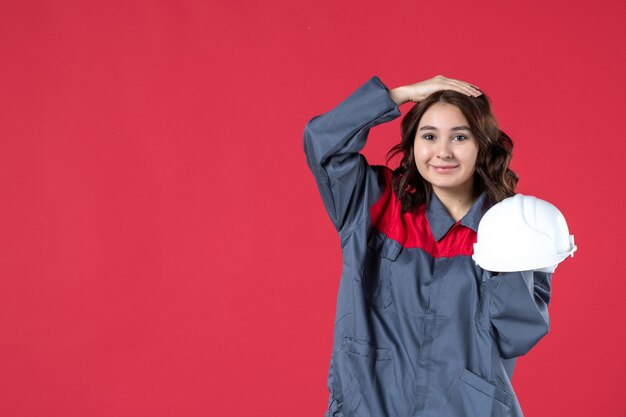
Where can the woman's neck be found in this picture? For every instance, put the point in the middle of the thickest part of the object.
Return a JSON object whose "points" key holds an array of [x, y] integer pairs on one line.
{"points": [[457, 202]]}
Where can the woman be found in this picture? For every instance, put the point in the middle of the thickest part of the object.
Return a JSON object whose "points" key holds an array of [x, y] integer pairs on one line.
{"points": [[420, 329]]}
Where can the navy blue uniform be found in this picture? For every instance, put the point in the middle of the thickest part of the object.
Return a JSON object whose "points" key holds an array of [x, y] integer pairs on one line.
{"points": [[420, 329]]}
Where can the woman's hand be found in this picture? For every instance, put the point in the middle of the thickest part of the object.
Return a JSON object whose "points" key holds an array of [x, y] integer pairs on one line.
{"points": [[419, 91]]}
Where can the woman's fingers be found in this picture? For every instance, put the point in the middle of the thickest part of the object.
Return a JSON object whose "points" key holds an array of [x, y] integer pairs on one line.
{"points": [[465, 88], [457, 85], [419, 91]]}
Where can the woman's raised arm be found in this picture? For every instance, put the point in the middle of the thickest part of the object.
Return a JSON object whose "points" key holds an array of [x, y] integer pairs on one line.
{"points": [[332, 142]]}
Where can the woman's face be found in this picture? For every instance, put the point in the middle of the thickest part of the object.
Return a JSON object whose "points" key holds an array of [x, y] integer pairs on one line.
{"points": [[445, 149]]}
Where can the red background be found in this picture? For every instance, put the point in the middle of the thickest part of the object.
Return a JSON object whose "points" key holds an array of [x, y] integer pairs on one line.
{"points": [[163, 248]]}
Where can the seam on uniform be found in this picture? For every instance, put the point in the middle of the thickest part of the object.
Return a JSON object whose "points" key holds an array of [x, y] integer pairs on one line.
{"points": [[343, 316], [331, 181], [482, 295], [344, 240], [349, 233]]}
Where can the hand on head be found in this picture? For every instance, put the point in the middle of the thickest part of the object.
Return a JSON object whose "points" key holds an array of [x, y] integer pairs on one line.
{"points": [[419, 91]]}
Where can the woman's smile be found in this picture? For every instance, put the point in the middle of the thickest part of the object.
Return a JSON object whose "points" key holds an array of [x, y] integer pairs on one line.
{"points": [[444, 169]]}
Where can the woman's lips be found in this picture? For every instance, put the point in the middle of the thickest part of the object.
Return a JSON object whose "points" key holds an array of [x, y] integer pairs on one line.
{"points": [[444, 168]]}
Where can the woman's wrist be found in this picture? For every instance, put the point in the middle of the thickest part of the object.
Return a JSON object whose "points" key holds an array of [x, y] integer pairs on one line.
{"points": [[399, 95]]}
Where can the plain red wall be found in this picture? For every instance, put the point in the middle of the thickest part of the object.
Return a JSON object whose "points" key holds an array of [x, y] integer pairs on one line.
{"points": [[163, 248]]}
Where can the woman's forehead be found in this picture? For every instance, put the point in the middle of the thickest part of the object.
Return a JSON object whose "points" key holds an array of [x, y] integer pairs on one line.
{"points": [[443, 116]]}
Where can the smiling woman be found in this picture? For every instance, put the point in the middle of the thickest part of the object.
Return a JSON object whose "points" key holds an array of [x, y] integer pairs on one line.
{"points": [[458, 134], [445, 158], [420, 328]]}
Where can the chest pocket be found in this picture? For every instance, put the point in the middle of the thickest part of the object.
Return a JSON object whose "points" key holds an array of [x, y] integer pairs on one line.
{"points": [[382, 252]]}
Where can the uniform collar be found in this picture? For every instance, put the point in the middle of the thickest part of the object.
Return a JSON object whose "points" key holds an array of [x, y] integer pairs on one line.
{"points": [[440, 221]]}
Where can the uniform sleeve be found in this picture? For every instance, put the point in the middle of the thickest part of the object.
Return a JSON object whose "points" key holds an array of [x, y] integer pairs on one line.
{"points": [[519, 310], [332, 142]]}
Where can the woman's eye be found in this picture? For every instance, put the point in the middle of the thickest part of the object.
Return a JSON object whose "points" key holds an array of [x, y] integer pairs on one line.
{"points": [[428, 137], [460, 137]]}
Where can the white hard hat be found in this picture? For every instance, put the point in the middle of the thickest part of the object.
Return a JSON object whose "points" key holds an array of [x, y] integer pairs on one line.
{"points": [[522, 233]]}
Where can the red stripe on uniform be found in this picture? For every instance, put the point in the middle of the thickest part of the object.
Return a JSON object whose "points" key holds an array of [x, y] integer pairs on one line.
{"points": [[412, 230]]}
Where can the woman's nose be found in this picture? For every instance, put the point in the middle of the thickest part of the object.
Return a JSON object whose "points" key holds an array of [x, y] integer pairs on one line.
{"points": [[443, 150]]}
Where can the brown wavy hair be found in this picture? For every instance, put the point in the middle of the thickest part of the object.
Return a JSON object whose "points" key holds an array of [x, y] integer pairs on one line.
{"points": [[495, 150]]}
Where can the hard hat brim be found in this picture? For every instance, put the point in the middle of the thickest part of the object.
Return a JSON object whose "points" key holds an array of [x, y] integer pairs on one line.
{"points": [[503, 264]]}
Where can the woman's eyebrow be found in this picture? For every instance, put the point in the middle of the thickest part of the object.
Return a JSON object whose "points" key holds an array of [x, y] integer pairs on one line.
{"points": [[455, 128]]}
